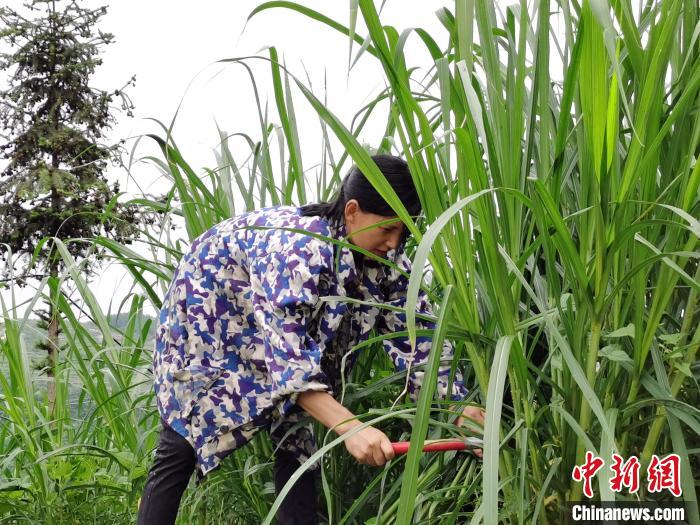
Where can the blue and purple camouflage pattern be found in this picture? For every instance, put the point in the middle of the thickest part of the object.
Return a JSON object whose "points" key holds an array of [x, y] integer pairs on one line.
{"points": [[243, 330]]}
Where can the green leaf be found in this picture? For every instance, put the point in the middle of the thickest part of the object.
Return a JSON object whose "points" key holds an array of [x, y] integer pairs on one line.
{"points": [[494, 406], [409, 486], [672, 339], [615, 353], [625, 331], [683, 368]]}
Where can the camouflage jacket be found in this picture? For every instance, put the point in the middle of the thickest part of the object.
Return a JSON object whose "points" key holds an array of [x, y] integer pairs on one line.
{"points": [[243, 330]]}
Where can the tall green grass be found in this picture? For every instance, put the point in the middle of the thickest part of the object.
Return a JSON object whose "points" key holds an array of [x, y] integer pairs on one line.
{"points": [[561, 206], [593, 194]]}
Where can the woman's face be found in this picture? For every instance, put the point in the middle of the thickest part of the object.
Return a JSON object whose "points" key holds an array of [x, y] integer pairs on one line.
{"points": [[378, 239]]}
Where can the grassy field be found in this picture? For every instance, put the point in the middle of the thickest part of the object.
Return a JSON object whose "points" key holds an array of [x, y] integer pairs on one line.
{"points": [[33, 334], [560, 226]]}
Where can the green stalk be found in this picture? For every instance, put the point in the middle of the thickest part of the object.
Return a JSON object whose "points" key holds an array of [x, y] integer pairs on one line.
{"points": [[677, 377], [584, 419]]}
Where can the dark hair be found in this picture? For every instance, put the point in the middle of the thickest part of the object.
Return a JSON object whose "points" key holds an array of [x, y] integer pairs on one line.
{"points": [[356, 186]]}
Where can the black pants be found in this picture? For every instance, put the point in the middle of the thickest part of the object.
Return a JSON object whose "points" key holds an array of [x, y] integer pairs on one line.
{"points": [[174, 464]]}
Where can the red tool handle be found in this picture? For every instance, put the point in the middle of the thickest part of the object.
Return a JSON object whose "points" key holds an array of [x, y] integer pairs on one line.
{"points": [[401, 447]]}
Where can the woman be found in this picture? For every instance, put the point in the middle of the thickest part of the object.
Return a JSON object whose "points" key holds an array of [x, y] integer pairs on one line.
{"points": [[245, 343]]}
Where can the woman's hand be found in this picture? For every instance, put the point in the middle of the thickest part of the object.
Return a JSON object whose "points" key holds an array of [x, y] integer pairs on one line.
{"points": [[370, 446], [475, 414]]}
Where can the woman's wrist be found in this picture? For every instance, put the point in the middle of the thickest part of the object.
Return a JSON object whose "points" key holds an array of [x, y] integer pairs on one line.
{"points": [[346, 426]]}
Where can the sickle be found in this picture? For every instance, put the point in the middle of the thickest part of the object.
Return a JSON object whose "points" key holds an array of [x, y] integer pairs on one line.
{"points": [[440, 445]]}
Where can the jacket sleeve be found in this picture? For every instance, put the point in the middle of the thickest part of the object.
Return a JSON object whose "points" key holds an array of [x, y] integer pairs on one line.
{"points": [[399, 348], [285, 297]]}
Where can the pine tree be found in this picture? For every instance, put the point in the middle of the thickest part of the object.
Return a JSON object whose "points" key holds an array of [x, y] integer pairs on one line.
{"points": [[52, 125]]}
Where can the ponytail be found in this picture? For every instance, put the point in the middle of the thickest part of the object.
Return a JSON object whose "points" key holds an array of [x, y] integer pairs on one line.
{"points": [[332, 210]]}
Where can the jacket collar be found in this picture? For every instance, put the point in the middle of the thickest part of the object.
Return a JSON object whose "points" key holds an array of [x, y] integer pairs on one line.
{"points": [[347, 262]]}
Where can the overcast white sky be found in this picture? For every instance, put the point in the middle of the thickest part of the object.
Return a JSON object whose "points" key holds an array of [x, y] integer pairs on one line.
{"points": [[173, 47]]}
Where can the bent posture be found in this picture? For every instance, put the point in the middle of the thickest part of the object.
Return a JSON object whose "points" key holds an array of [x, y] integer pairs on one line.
{"points": [[245, 343]]}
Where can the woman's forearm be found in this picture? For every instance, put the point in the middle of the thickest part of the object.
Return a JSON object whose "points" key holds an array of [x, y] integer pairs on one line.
{"points": [[369, 446], [322, 407]]}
